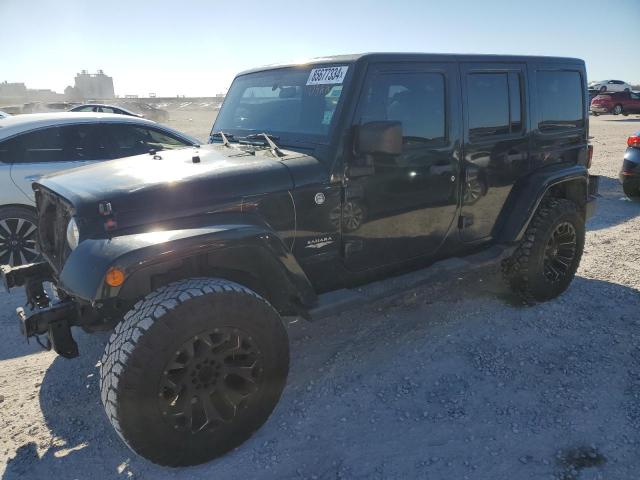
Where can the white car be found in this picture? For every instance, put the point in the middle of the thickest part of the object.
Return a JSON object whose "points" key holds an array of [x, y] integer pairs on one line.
{"points": [[610, 86], [39, 144], [4, 114]]}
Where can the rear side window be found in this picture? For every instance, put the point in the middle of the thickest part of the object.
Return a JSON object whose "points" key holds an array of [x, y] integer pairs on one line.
{"points": [[494, 103], [46, 145], [57, 144], [8, 150], [559, 100]]}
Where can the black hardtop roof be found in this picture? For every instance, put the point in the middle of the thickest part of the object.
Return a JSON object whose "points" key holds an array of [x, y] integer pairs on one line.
{"points": [[420, 57]]}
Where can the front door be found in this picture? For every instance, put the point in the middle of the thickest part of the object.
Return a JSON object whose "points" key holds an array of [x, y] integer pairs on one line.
{"points": [[401, 207]]}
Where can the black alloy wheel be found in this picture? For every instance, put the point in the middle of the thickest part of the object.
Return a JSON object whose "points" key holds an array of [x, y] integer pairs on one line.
{"points": [[17, 241], [560, 252], [210, 379]]}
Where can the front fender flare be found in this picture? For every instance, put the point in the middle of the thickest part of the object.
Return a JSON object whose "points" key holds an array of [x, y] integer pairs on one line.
{"points": [[155, 258]]}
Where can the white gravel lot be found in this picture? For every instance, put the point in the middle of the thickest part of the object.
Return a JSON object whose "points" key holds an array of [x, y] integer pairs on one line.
{"points": [[455, 380]]}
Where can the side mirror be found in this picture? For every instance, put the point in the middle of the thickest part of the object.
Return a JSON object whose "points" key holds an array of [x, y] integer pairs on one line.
{"points": [[379, 138]]}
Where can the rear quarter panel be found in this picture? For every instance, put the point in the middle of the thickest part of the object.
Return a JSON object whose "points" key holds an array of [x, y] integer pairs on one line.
{"points": [[10, 194]]}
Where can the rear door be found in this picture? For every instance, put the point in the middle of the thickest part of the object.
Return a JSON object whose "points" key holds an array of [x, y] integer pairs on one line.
{"points": [[403, 206], [496, 142], [49, 150]]}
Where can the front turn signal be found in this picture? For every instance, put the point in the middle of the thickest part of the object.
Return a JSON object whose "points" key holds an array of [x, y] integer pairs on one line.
{"points": [[114, 277]]}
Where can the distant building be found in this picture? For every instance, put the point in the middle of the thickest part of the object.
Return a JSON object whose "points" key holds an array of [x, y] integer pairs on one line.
{"points": [[13, 90], [93, 85], [19, 93]]}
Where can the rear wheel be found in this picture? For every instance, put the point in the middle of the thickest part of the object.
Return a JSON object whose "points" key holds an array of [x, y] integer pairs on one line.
{"points": [[548, 256], [18, 236], [193, 370]]}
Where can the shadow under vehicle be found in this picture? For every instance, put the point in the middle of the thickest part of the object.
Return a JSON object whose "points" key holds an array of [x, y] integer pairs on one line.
{"points": [[192, 257]]}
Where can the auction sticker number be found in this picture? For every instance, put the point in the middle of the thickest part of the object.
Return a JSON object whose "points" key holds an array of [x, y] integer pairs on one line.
{"points": [[327, 76]]}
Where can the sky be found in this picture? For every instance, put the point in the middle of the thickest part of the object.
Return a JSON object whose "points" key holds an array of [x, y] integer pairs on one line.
{"points": [[195, 47]]}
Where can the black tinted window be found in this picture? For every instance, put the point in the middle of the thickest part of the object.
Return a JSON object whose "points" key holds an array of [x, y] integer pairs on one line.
{"points": [[417, 100], [488, 104], [8, 151], [60, 144], [559, 100], [45, 145]]}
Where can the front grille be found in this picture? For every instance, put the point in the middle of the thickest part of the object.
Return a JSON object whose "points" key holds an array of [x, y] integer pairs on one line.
{"points": [[54, 214]]}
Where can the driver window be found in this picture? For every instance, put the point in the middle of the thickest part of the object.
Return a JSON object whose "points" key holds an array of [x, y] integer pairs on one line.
{"points": [[416, 100]]}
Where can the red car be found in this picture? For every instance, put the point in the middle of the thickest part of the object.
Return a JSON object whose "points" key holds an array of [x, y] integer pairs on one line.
{"points": [[616, 102]]}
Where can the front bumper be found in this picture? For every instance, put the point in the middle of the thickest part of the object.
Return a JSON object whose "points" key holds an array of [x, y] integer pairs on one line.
{"points": [[599, 109], [45, 318]]}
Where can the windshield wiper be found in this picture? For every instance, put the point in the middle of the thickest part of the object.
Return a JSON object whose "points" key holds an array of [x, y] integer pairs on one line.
{"points": [[268, 139], [224, 136]]}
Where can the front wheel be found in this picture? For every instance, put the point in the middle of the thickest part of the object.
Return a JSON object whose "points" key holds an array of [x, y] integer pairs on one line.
{"points": [[617, 110], [193, 370], [18, 235], [545, 262]]}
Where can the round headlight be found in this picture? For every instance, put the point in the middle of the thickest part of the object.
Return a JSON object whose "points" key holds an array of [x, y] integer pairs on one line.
{"points": [[73, 235]]}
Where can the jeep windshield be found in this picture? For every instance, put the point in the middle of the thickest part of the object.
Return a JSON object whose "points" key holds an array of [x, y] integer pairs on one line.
{"points": [[297, 104]]}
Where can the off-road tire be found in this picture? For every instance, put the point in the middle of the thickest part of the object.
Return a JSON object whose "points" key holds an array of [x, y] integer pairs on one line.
{"points": [[143, 351], [524, 271]]}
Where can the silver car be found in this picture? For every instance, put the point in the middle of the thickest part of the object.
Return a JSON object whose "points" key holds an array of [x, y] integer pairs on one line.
{"points": [[35, 145]]}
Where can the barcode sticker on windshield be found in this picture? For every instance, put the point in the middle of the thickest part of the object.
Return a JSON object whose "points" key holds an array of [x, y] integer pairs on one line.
{"points": [[327, 76]]}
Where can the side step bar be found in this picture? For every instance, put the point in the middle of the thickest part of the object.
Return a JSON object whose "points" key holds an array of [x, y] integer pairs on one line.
{"points": [[335, 302]]}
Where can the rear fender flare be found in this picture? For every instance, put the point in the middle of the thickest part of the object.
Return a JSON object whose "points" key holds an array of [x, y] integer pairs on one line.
{"points": [[524, 199]]}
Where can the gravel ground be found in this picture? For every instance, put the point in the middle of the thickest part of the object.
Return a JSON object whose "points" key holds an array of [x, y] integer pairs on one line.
{"points": [[454, 380]]}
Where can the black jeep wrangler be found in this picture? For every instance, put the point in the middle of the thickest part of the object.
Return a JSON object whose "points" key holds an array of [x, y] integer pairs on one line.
{"points": [[318, 177]]}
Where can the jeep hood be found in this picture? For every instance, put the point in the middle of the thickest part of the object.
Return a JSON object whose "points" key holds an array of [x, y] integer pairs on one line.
{"points": [[171, 183]]}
